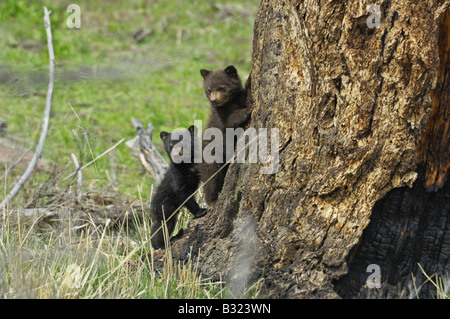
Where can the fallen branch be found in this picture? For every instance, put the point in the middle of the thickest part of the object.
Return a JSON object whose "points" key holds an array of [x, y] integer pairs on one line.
{"points": [[146, 152], [45, 121]]}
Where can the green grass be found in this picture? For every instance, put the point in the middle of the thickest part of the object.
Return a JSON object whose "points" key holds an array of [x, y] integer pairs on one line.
{"points": [[105, 75], [108, 77]]}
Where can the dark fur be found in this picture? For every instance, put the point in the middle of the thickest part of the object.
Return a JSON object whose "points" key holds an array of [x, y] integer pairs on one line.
{"points": [[179, 182], [230, 108]]}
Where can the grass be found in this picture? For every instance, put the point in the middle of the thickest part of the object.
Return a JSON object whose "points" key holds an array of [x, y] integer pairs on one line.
{"points": [[440, 283], [106, 73], [109, 265]]}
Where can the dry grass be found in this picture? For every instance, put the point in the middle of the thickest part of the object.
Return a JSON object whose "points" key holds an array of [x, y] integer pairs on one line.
{"points": [[68, 261]]}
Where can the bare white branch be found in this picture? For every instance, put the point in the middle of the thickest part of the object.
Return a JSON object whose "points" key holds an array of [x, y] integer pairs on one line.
{"points": [[45, 121]]}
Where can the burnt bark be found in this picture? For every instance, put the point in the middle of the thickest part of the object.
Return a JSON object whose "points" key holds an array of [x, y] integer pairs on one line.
{"points": [[351, 104], [409, 227]]}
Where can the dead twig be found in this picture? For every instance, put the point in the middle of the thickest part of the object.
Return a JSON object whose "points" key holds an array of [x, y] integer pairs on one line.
{"points": [[79, 176], [94, 160]]}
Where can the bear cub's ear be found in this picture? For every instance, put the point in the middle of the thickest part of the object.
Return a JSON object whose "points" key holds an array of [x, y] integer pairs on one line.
{"points": [[204, 72], [231, 71], [163, 135]]}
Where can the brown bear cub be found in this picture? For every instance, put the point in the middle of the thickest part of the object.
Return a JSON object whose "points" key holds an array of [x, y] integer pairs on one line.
{"points": [[229, 109], [180, 181]]}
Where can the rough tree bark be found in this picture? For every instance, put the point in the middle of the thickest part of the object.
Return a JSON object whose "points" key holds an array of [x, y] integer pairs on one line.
{"points": [[411, 226], [351, 104]]}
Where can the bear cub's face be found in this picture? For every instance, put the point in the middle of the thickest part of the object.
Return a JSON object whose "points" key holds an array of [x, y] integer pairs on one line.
{"points": [[179, 145], [221, 86]]}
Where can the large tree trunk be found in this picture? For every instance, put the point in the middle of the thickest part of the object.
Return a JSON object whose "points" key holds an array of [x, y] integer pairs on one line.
{"points": [[351, 104]]}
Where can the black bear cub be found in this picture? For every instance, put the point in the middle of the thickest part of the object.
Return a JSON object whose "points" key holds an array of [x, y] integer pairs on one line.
{"points": [[230, 108], [180, 181]]}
